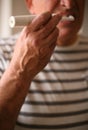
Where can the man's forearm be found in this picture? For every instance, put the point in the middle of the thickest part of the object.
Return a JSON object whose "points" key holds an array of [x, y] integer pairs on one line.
{"points": [[13, 89], [32, 52]]}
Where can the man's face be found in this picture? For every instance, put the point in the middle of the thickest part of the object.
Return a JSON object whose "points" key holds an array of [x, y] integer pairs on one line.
{"points": [[74, 8]]}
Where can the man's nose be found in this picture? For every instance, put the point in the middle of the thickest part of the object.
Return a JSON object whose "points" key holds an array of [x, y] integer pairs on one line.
{"points": [[67, 3]]}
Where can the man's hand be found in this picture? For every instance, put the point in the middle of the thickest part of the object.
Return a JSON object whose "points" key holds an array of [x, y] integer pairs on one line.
{"points": [[36, 44], [32, 52]]}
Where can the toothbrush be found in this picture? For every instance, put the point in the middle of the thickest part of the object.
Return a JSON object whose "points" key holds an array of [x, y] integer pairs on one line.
{"points": [[22, 20]]}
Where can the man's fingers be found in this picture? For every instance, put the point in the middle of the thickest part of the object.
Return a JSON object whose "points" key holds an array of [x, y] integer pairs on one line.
{"points": [[53, 37], [39, 21], [50, 26]]}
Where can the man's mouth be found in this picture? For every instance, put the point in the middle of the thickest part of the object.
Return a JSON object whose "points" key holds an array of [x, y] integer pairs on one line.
{"points": [[68, 18]]}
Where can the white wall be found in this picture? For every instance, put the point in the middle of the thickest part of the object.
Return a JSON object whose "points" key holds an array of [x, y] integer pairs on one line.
{"points": [[19, 8], [8, 8], [5, 13]]}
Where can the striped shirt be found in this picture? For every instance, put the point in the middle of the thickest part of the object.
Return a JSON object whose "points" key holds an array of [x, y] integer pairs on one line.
{"points": [[58, 96]]}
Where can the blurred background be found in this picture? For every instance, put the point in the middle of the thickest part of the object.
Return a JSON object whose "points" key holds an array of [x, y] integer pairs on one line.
{"points": [[18, 7], [7, 9]]}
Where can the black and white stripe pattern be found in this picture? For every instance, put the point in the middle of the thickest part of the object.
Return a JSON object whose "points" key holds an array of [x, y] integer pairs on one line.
{"points": [[58, 97], [6, 50]]}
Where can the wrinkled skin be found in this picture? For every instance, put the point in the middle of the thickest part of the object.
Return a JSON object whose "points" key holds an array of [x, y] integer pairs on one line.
{"points": [[35, 45], [38, 40]]}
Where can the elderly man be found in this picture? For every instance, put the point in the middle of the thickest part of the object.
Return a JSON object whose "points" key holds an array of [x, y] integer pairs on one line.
{"points": [[57, 97]]}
